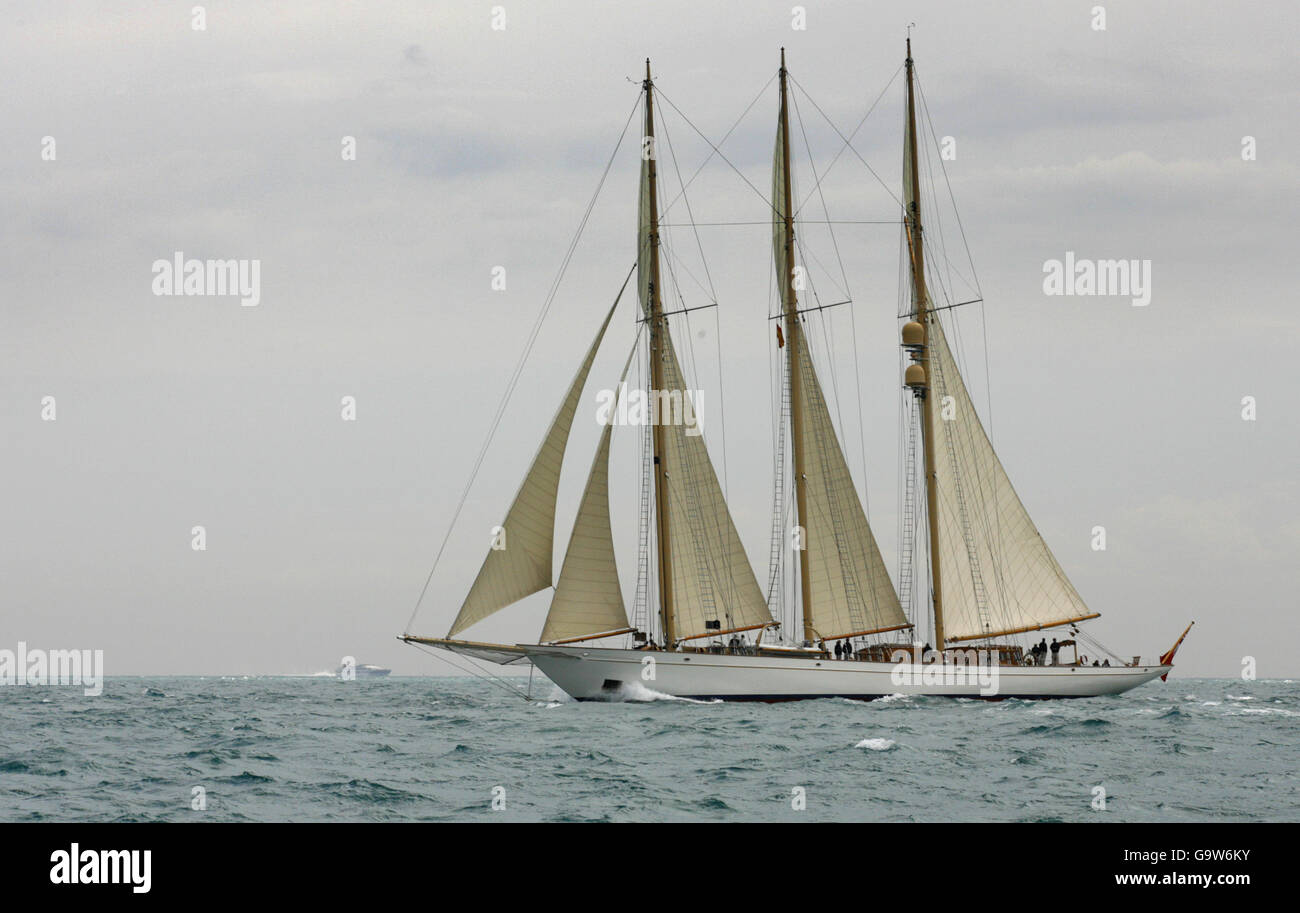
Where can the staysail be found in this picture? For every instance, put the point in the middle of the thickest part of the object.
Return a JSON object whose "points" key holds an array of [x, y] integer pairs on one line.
{"points": [[848, 590], [588, 599], [523, 566], [999, 576]]}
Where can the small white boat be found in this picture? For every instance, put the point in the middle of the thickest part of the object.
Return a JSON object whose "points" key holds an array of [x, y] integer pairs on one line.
{"points": [[364, 670]]}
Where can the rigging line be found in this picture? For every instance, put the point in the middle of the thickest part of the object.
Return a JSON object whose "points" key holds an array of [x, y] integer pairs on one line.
{"points": [[988, 379], [670, 260], [716, 149], [722, 410], [944, 169], [523, 358], [769, 222], [817, 188], [672, 152], [848, 293], [770, 204], [477, 671], [847, 141]]}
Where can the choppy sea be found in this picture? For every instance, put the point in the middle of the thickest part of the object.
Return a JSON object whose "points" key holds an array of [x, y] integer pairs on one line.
{"points": [[449, 749]]}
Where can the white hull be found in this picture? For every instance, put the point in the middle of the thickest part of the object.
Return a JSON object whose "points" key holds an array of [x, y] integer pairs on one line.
{"points": [[597, 673]]}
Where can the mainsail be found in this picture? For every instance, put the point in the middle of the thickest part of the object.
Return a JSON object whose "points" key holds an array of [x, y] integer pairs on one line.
{"points": [[523, 566], [999, 576], [992, 573], [588, 600], [714, 587], [848, 589], [707, 584]]}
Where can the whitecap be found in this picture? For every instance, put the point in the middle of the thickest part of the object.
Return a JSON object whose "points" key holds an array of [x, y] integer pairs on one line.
{"points": [[635, 691], [876, 744]]}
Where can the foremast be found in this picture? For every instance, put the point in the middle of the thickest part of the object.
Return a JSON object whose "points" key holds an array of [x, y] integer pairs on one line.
{"points": [[657, 327]]}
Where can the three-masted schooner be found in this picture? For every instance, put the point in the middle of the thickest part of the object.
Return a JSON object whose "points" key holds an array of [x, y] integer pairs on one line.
{"points": [[992, 578]]}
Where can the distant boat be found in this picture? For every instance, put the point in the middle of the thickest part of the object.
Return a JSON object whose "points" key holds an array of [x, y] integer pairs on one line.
{"points": [[992, 582], [364, 671]]}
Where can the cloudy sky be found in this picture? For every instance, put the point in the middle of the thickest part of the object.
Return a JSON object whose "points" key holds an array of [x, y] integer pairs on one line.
{"points": [[480, 148]]}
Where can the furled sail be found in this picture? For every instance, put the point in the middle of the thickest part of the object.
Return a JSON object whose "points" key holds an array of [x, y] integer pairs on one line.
{"points": [[588, 600], [849, 587], [523, 566], [999, 576], [714, 587]]}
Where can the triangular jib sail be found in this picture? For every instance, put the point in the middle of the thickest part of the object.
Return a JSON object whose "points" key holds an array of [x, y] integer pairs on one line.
{"points": [[523, 565], [588, 599]]}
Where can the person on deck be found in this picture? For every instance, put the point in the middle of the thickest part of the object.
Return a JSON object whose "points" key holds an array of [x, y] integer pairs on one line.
{"points": [[1056, 652], [839, 651]]}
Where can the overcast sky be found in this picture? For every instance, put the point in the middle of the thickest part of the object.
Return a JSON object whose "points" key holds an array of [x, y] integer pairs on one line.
{"points": [[479, 148]]}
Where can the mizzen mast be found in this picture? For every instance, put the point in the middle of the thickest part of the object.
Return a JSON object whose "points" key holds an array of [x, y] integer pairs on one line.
{"points": [[658, 327], [915, 338]]}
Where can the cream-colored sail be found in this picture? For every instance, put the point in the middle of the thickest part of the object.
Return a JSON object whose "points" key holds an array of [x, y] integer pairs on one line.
{"points": [[588, 600], [523, 566], [850, 591], [999, 576], [714, 586]]}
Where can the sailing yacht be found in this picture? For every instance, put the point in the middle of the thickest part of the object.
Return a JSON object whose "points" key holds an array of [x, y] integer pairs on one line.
{"points": [[992, 581]]}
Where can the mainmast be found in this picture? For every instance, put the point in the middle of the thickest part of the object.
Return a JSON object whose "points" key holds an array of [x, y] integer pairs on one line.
{"points": [[793, 343], [658, 327], [916, 338]]}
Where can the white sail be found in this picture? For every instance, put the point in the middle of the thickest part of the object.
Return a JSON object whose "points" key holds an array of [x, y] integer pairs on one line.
{"points": [[998, 576], [588, 600], [849, 587], [523, 566], [714, 587]]}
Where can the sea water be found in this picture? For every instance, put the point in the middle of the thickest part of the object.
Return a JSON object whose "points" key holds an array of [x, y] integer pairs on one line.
{"points": [[448, 749]]}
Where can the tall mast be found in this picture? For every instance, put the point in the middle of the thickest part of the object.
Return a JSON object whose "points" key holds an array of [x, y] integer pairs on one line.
{"points": [[658, 327], [916, 247], [793, 343]]}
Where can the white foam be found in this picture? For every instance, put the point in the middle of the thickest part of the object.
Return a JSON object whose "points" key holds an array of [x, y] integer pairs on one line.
{"points": [[635, 691], [876, 744]]}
